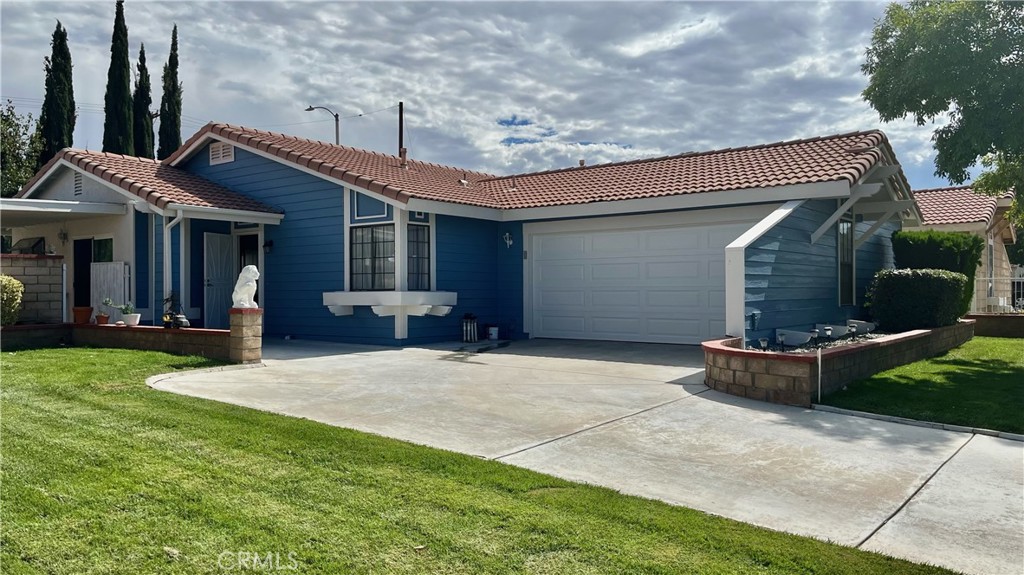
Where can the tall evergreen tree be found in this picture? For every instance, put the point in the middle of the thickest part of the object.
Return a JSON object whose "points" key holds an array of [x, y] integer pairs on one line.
{"points": [[170, 103], [118, 133], [141, 100], [57, 118]]}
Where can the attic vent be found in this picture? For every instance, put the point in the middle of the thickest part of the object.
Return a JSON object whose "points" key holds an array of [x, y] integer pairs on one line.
{"points": [[78, 184], [221, 153]]}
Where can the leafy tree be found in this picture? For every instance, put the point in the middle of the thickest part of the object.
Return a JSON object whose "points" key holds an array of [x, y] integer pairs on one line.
{"points": [[170, 103], [965, 60], [19, 149], [141, 100], [118, 131], [57, 118]]}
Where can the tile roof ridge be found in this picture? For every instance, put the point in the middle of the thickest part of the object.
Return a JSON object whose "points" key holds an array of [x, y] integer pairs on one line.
{"points": [[257, 131], [945, 189], [94, 153], [700, 153]]}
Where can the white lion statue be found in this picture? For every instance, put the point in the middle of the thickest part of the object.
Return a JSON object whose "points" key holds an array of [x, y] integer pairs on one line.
{"points": [[245, 288]]}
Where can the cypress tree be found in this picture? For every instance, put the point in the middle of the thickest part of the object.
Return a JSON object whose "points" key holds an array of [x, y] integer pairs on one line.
{"points": [[57, 118], [170, 103], [118, 133], [141, 100]]}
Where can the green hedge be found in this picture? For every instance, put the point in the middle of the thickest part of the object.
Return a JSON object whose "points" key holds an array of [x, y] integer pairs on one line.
{"points": [[11, 291], [953, 251], [904, 299]]}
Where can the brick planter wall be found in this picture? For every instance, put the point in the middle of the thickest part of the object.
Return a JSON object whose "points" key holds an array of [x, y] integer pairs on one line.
{"points": [[35, 336], [42, 276], [792, 378], [998, 325], [212, 343]]}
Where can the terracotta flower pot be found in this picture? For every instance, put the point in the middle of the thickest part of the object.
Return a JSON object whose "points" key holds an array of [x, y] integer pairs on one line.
{"points": [[102, 319], [82, 314]]}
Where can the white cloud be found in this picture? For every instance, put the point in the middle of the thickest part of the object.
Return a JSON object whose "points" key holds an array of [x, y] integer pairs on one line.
{"points": [[631, 79]]}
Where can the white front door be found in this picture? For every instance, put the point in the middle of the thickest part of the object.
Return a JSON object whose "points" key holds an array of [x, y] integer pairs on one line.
{"points": [[218, 279], [664, 284]]}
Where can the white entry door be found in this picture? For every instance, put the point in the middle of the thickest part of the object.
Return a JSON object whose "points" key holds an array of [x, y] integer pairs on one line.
{"points": [[219, 278], [664, 285]]}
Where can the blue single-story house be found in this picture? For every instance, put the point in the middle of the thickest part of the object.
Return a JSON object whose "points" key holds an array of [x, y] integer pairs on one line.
{"points": [[365, 247]]}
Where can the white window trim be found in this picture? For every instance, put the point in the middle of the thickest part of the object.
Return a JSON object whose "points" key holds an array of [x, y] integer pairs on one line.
{"points": [[846, 217], [357, 217]]}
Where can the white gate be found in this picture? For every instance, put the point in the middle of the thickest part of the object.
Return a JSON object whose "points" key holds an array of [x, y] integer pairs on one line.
{"points": [[109, 280]]}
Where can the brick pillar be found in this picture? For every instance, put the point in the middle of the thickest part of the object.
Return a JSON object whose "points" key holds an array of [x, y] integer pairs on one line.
{"points": [[246, 345]]}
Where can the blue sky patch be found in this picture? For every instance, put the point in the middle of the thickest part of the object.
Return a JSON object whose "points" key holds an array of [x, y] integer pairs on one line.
{"points": [[513, 141], [514, 121]]}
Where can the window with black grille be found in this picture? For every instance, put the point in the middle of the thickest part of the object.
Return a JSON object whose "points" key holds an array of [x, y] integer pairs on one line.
{"points": [[373, 258], [419, 257]]}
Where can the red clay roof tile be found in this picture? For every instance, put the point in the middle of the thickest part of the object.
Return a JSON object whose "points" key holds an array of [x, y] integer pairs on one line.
{"points": [[153, 181], [954, 205], [831, 158]]}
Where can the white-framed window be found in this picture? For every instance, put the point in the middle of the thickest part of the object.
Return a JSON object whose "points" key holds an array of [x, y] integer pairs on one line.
{"points": [[372, 263], [418, 272], [844, 241], [221, 153]]}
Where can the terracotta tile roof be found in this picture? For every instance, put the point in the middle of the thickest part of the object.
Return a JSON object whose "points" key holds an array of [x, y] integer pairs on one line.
{"points": [[831, 158], [153, 181], [955, 205], [374, 171]]}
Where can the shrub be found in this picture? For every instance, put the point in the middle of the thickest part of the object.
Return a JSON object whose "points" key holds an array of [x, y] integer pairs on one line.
{"points": [[952, 251], [11, 291], [905, 299]]}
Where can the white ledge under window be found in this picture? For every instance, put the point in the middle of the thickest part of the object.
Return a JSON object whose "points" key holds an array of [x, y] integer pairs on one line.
{"points": [[392, 303]]}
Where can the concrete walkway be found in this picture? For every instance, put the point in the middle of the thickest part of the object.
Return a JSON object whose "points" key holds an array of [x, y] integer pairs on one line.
{"points": [[637, 418]]}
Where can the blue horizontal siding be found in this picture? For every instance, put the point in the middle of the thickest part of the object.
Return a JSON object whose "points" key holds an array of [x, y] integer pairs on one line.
{"points": [[794, 284], [308, 257]]}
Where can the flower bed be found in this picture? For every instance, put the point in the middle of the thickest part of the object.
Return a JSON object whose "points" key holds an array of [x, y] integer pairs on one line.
{"points": [[792, 378]]}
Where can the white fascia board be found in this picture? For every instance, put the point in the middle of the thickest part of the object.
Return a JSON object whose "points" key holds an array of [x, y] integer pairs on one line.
{"points": [[244, 216], [823, 190], [390, 298], [62, 206], [735, 268], [974, 227], [450, 209]]}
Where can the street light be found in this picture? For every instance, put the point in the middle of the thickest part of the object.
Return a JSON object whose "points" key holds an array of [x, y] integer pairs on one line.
{"points": [[337, 122]]}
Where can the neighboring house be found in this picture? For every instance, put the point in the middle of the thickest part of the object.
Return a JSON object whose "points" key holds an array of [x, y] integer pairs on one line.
{"points": [[365, 247], [961, 209]]}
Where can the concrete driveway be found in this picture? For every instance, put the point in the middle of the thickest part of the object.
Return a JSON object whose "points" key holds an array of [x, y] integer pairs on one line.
{"points": [[637, 418]]}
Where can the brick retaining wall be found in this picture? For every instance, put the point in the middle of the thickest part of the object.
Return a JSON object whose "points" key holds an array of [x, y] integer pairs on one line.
{"points": [[998, 325], [243, 343], [42, 276], [211, 343], [792, 378]]}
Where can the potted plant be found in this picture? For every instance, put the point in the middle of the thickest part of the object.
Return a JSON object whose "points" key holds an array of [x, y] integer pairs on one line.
{"points": [[127, 310], [102, 318]]}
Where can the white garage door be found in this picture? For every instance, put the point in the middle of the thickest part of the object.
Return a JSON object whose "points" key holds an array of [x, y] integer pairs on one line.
{"points": [[663, 284]]}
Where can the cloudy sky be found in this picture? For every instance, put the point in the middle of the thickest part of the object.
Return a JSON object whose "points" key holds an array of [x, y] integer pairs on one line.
{"points": [[498, 87]]}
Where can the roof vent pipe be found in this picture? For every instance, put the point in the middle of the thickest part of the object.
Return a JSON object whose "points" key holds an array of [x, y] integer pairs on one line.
{"points": [[583, 163], [402, 152]]}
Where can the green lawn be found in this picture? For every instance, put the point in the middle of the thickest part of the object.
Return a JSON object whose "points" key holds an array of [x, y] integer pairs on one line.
{"points": [[103, 475], [979, 384]]}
